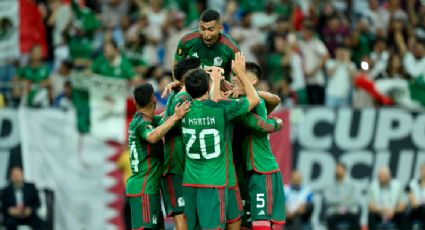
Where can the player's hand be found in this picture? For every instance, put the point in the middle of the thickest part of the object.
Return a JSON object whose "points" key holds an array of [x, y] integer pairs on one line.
{"points": [[169, 88], [216, 73], [238, 65], [181, 109], [226, 86], [279, 122], [235, 92]]}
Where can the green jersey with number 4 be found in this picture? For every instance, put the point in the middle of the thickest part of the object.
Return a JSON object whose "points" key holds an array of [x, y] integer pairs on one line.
{"points": [[204, 135], [219, 54], [174, 151], [146, 159]]}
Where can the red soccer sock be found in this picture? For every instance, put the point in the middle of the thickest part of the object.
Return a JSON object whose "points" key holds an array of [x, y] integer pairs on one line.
{"points": [[261, 225]]}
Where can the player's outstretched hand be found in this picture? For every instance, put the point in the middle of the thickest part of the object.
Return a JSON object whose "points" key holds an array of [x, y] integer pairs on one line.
{"points": [[235, 92], [181, 109], [169, 88], [216, 73], [226, 86], [238, 65]]}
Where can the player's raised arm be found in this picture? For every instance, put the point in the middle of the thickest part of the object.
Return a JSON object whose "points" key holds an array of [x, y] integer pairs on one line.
{"points": [[238, 66], [272, 100], [216, 76], [159, 132]]}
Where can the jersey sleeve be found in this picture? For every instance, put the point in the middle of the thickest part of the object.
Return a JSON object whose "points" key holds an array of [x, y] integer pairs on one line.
{"points": [[181, 51], [236, 107], [169, 102], [257, 123], [145, 129], [178, 99]]}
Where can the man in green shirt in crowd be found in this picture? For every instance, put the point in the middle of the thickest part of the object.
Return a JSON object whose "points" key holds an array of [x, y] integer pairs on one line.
{"points": [[204, 135], [208, 44], [112, 63], [146, 158]]}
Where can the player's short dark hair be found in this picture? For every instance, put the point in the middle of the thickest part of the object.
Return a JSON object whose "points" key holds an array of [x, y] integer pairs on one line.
{"points": [[255, 69], [143, 94], [197, 83], [183, 66], [210, 15]]}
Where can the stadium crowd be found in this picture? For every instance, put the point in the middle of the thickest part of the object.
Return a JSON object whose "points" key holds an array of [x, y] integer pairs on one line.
{"points": [[335, 52]]}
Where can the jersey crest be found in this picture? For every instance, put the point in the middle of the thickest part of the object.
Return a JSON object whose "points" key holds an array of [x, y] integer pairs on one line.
{"points": [[218, 61]]}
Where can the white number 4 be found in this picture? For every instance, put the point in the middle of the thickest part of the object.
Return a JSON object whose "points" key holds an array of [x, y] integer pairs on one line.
{"points": [[135, 156], [260, 200]]}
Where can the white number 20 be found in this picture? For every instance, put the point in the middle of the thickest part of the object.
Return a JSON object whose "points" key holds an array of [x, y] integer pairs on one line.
{"points": [[202, 144]]}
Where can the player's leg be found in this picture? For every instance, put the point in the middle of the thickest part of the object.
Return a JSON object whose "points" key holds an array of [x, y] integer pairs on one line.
{"points": [[172, 195], [146, 212], [259, 193], [234, 210], [211, 206], [190, 209], [278, 199]]}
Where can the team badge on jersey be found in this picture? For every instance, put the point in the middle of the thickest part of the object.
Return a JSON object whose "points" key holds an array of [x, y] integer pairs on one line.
{"points": [[195, 55], [154, 220], [218, 61], [180, 202]]}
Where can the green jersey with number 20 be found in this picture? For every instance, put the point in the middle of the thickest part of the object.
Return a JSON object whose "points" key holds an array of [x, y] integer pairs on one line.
{"points": [[204, 135]]}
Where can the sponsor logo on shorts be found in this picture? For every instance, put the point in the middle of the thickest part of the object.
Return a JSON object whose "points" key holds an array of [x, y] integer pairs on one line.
{"points": [[261, 213], [180, 202], [154, 219], [195, 55]]}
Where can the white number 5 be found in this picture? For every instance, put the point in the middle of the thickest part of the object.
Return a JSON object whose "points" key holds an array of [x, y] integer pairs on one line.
{"points": [[260, 200]]}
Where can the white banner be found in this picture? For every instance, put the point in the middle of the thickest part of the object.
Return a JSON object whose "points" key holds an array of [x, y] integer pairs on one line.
{"points": [[75, 167], [9, 29], [107, 100]]}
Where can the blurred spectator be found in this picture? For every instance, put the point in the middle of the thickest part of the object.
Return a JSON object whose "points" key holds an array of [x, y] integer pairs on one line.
{"points": [[174, 29], [341, 201], [247, 37], [278, 62], [299, 203], [113, 11], [361, 41], [64, 99], [334, 34], [416, 194], [386, 201], [377, 17], [134, 51], [20, 203], [340, 72], [264, 20], [111, 63], [314, 55], [379, 58], [163, 82], [284, 8], [35, 80], [414, 60], [59, 77], [281, 28]]}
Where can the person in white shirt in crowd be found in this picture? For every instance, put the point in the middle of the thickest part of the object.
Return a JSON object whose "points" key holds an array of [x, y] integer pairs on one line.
{"points": [[416, 195], [299, 203], [386, 202], [341, 201], [377, 17], [379, 58], [247, 37], [340, 72], [414, 60], [174, 29], [314, 55]]}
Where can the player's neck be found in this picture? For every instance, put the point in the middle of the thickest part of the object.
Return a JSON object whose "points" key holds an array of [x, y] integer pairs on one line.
{"points": [[203, 98], [147, 112]]}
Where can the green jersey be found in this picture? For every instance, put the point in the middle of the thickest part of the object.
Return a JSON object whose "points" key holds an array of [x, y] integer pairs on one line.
{"points": [[220, 54], [34, 74], [251, 121], [256, 145], [204, 136], [146, 159], [123, 69], [174, 151]]}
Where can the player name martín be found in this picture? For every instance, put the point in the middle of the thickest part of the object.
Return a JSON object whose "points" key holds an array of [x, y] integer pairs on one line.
{"points": [[200, 121]]}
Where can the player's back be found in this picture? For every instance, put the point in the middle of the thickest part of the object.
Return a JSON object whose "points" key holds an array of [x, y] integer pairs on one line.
{"points": [[145, 159]]}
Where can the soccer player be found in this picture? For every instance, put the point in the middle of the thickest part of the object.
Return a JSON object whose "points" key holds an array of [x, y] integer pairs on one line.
{"points": [[146, 158], [208, 44], [265, 186], [174, 151], [205, 177]]}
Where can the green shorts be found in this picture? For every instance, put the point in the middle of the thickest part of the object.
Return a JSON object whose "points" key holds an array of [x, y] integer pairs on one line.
{"points": [[234, 210], [146, 211], [205, 208], [172, 194], [267, 197]]}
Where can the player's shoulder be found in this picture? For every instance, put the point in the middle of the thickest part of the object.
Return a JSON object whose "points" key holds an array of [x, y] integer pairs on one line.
{"points": [[190, 36], [182, 96], [228, 42]]}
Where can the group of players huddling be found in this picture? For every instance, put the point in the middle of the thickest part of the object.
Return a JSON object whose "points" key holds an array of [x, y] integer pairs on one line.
{"points": [[209, 155]]}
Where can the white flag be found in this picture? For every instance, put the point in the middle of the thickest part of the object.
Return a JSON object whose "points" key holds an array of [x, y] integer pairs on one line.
{"points": [[9, 29]]}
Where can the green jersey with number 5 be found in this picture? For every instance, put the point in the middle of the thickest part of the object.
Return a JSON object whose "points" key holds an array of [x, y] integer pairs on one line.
{"points": [[146, 160], [204, 137]]}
